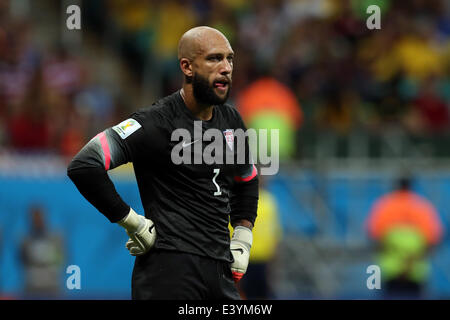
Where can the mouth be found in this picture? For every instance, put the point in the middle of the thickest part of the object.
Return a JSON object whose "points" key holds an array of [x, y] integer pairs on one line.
{"points": [[222, 84]]}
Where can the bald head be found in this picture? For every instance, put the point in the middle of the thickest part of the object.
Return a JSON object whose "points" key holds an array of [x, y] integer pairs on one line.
{"points": [[206, 60], [197, 40]]}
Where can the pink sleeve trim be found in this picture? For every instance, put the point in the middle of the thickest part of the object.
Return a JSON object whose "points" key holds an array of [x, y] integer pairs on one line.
{"points": [[105, 148], [250, 177]]}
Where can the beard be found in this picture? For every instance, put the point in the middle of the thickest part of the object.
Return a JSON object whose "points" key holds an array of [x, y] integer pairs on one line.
{"points": [[204, 92]]}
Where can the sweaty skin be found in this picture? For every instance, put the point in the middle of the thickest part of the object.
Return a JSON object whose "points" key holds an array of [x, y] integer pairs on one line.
{"points": [[196, 49], [198, 40]]}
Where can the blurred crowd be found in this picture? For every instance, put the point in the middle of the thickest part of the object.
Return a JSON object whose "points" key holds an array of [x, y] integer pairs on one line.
{"points": [[346, 77]]}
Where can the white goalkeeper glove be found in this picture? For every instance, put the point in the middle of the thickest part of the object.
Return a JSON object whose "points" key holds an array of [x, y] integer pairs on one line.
{"points": [[240, 245], [141, 231]]}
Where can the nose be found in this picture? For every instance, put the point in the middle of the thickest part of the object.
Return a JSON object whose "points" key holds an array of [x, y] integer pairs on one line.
{"points": [[226, 67]]}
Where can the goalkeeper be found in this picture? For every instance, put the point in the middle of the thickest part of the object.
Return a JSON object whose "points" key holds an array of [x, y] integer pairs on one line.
{"points": [[181, 243]]}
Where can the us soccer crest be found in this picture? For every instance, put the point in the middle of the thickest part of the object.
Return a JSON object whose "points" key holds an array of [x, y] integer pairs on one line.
{"points": [[229, 138]]}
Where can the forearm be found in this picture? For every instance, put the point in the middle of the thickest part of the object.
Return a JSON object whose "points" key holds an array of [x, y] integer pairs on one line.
{"points": [[95, 185], [88, 171], [244, 204]]}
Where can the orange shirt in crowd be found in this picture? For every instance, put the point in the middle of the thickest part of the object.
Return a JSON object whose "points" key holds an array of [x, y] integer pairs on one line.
{"points": [[405, 208], [267, 94]]}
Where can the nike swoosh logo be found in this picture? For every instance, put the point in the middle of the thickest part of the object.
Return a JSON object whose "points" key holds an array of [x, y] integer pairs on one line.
{"points": [[184, 145], [151, 227], [239, 249]]}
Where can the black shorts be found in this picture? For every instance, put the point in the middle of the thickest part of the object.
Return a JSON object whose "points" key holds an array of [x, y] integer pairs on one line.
{"points": [[172, 275]]}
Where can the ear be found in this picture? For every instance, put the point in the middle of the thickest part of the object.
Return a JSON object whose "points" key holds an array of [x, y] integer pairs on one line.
{"points": [[186, 67]]}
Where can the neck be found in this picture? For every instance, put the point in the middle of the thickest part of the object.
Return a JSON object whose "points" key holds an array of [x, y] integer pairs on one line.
{"points": [[200, 111]]}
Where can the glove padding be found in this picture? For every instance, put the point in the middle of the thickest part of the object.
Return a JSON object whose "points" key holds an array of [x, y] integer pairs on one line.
{"points": [[141, 231], [143, 240], [240, 245]]}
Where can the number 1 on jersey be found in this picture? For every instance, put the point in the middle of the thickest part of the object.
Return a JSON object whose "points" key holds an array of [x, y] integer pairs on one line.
{"points": [[218, 192]]}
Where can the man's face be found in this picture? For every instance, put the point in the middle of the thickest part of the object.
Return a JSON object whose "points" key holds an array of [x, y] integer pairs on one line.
{"points": [[212, 69], [206, 93]]}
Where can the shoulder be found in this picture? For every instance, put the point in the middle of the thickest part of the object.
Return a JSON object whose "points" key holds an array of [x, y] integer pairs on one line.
{"points": [[158, 113], [151, 119]]}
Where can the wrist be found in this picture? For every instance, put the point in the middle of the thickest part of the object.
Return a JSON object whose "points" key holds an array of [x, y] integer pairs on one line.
{"points": [[243, 223], [132, 222], [243, 235]]}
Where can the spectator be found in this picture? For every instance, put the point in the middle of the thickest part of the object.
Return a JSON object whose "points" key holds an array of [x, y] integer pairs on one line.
{"points": [[336, 68], [42, 256], [405, 226], [62, 73], [431, 108], [28, 126], [268, 104]]}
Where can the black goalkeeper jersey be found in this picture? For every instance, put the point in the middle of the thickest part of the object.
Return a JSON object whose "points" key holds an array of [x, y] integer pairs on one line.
{"points": [[190, 203]]}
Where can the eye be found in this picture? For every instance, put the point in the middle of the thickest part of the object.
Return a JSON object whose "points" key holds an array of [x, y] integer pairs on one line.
{"points": [[213, 58]]}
